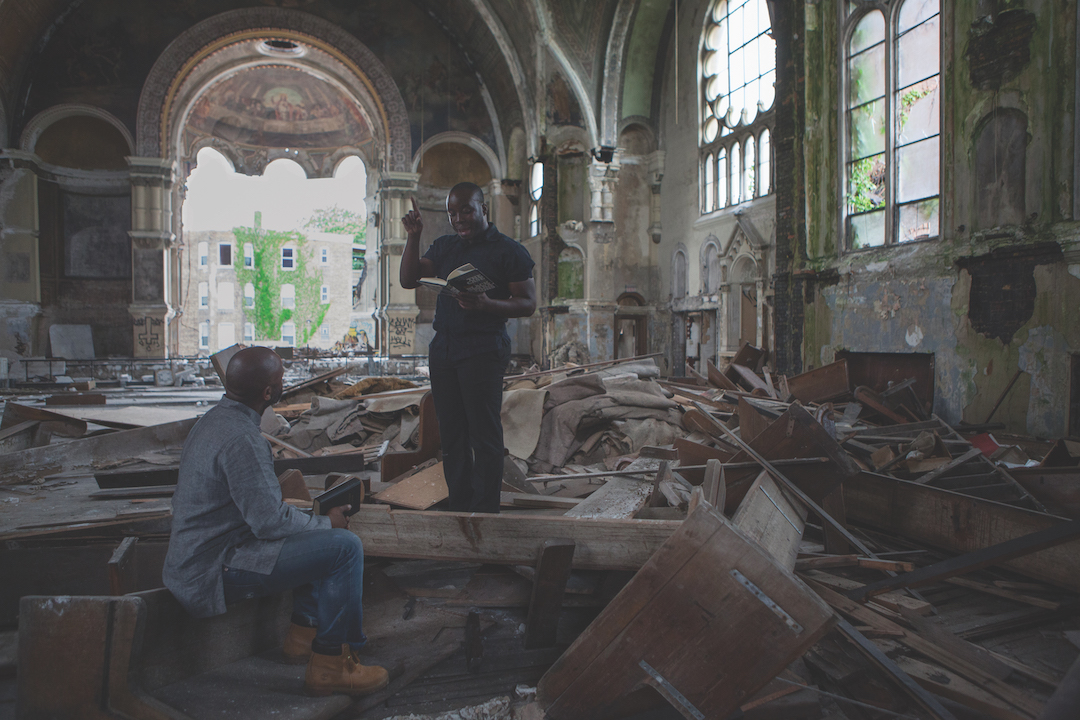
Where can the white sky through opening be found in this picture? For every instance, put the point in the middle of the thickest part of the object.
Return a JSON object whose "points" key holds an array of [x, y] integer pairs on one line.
{"points": [[219, 198]]}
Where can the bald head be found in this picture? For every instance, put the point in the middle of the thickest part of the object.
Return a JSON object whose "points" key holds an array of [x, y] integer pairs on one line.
{"points": [[468, 191], [253, 377], [466, 211]]}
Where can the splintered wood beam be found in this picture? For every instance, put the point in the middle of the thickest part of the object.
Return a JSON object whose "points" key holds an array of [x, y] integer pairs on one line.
{"points": [[970, 562], [507, 539], [787, 484], [923, 698], [545, 606]]}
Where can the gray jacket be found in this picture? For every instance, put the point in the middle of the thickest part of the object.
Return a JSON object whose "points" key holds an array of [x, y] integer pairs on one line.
{"points": [[227, 509]]}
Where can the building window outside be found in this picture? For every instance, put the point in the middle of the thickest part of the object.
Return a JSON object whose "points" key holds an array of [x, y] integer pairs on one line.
{"points": [[204, 258], [288, 333], [249, 255], [249, 332], [324, 294], [204, 295], [536, 191], [204, 334], [324, 332], [225, 255], [288, 258], [249, 295], [738, 75], [225, 296], [288, 296], [226, 334], [324, 256], [892, 121]]}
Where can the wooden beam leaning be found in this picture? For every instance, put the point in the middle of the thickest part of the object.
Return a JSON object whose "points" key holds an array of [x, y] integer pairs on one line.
{"points": [[507, 539], [970, 562], [788, 485], [552, 571]]}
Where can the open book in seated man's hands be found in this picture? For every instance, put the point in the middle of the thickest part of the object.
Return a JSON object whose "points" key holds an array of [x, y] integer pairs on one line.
{"points": [[464, 279]]}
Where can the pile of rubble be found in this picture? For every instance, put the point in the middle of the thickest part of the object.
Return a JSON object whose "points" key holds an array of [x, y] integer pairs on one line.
{"points": [[739, 542]]}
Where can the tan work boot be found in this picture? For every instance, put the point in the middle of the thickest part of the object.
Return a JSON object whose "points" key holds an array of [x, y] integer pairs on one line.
{"points": [[297, 647], [327, 674]]}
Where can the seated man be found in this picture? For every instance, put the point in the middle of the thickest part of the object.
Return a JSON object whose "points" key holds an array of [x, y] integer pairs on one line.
{"points": [[233, 538]]}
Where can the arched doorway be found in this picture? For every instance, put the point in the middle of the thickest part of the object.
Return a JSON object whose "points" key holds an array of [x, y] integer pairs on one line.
{"points": [[256, 85]]}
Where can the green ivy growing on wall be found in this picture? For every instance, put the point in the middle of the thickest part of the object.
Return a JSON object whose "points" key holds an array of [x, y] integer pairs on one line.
{"points": [[267, 276], [342, 222]]}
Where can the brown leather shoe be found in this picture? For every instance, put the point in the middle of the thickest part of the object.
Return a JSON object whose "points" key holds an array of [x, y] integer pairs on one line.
{"points": [[328, 674], [297, 647]]}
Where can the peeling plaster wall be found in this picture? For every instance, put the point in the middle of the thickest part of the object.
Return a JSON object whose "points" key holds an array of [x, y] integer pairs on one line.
{"points": [[982, 321]]}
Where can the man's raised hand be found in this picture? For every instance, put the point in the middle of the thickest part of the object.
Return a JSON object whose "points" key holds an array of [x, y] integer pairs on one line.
{"points": [[413, 222]]}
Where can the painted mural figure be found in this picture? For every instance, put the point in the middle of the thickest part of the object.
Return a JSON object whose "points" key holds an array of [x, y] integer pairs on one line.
{"points": [[471, 348]]}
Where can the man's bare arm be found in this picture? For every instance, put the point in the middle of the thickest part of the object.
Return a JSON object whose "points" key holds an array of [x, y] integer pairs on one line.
{"points": [[413, 267]]}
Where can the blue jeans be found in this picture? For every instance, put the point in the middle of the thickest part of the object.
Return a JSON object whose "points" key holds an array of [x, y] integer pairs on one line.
{"points": [[325, 569]]}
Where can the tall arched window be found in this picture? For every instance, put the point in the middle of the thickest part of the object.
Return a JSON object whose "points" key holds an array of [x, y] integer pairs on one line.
{"points": [[738, 74], [892, 153]]}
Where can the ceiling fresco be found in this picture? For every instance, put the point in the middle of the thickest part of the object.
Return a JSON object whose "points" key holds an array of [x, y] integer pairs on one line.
{"points": [[274, 106]]}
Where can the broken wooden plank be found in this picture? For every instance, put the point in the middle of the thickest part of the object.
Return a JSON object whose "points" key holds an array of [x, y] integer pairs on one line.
{"points": [[121, 568], [1015, 697], [530, 500], [22, 436], [75, 399], [15, 413], [970, 562], [951, 686], [674, 625], [507, 538], [774, 522], [419, 491], [718, 378], [894, 601], [958, 523], [924, 699], [553, 563], [84, 453], [930, 477], [618, 498], [827, 382]]}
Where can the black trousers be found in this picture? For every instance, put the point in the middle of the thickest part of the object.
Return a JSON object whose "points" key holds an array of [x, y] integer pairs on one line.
{"points": [[468, 404]]}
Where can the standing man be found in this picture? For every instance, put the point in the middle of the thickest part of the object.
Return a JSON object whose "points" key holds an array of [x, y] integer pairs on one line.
{"points": [[470, 350], [233, 538]]}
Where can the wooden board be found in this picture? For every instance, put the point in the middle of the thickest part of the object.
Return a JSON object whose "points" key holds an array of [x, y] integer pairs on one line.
{"points": [[83, 453], [507, 538], [959, 523], [691, 618], [821, 384], [419, 491], [772, 521], [618, 498]]}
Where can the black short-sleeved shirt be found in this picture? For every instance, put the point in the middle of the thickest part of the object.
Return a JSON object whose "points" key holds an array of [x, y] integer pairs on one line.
{"points": [[462, 333]]}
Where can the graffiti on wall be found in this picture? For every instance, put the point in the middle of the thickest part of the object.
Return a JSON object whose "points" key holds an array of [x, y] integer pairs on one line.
{"points": [[401, 331]]}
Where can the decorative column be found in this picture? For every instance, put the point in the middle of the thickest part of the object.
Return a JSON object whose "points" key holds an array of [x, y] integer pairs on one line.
{"points": [[152, 238], [398, 310], [602, 179]]}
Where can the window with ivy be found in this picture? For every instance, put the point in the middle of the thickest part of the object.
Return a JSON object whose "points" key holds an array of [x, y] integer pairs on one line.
{"points": [[738, 75], [892, 121]]}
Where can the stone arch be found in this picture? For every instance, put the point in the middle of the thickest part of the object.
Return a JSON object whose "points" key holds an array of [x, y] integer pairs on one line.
{"points": [[679, 271], [41, 122], [157, 117], [638, 127], [571, 273], [462, 138], [711, 275]]}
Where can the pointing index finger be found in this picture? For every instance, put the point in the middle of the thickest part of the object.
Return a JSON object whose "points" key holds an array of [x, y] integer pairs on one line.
{"points": [[414, 206]]}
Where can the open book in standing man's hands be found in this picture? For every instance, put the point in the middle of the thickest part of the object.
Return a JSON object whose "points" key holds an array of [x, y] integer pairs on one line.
{"points": [[465, 279]]}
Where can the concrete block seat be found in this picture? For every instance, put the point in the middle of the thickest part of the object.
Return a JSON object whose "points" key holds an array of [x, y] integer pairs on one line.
{"points": [[142, 656]]}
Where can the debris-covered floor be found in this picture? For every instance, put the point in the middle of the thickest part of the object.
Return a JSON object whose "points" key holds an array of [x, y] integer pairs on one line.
{"points": [[722, 543]]}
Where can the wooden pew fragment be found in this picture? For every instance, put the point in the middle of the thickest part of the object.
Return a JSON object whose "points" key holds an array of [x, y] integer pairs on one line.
{"points": [[552, 571], [122, 568]]}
